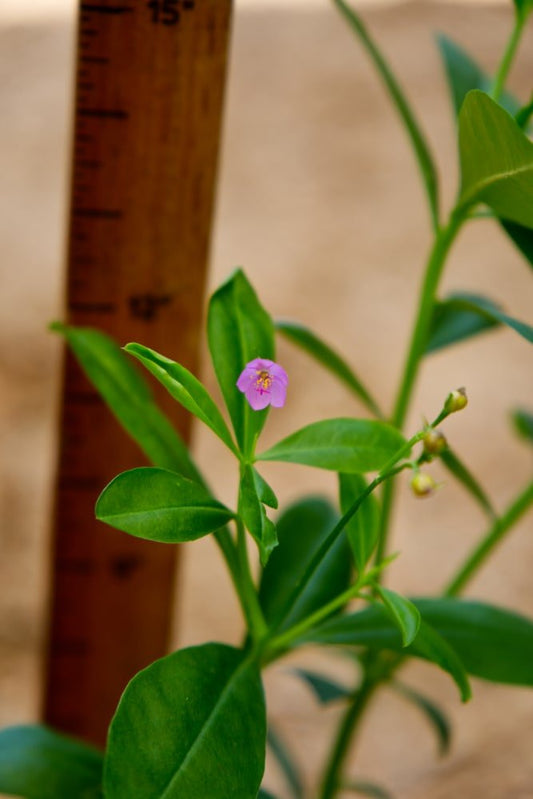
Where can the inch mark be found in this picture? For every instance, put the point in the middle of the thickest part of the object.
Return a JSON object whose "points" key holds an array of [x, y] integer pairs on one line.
{"points": [[146, 306], [124, 566], [103, 113], [98, 213], [84, 260], [94, 59], [75, 565], [83, 397], [74, 647], [79, 483], [87, 163], [100, 9], [92, 307]]}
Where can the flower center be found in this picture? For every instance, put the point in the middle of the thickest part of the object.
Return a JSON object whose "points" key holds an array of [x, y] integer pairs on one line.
{"points": [[263, 381]]}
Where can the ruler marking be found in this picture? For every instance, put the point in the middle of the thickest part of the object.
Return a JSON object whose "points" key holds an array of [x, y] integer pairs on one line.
{"points": [[86, 397], [93, 307], [98, 213], [84, 260], [94, 59], [88, 163], [103, 113], [123, 567], [100, 9], [82, 565], [72, 647], [80, 483]]}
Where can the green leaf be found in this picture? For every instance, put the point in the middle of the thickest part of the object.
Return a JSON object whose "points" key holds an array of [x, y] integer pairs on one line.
{"points": [[160, 505], [411, 125], [286, 762], [252, 512], [190, 725], [185, 388], [432, 712], [496, 160], [523, 115], [456, 320], [324, 688], [363, 528], [37, 763], [464, 74], [263, 794], [523, 7], [364, 788], [431, 645], [342, 445], [264, 491], [302, 529], [373, 627], [128, 397], [451, 322], [522, 238], [239, 330], [327, 357], [523, 424], [493, 643], [464, 476], [402, 612]]}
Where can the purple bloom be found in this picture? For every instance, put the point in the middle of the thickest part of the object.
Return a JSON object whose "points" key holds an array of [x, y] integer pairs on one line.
{"points": [[263, 382]]}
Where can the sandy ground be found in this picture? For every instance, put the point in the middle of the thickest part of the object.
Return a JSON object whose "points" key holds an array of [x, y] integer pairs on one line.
{"points": [[320, 202]]}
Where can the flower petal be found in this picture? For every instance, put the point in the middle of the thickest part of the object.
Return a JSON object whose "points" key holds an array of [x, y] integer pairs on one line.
{"points": [[278, 394], [259, 364], [257, 399], [279, 373], [246, 377]]}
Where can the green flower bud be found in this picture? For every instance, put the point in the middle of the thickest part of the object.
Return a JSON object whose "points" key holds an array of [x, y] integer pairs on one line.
{"points": [[456, 401], [434, 442], [423, 485]]}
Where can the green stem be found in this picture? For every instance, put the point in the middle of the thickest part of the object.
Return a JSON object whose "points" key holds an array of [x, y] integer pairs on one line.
{"points": [[343, 741], [389, 470], [443, 241], [508, 56], [480, 554], [229, 551], [355, 710], [387, 502], [247, 592], [419, 337], [437, 257], [420, 147], [281, 642]]}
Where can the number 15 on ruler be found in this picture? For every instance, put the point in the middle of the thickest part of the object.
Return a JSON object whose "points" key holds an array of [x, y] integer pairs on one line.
{"points": [[168, 12]]}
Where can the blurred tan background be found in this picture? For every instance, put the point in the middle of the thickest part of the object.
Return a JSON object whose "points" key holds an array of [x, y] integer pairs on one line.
{"points": [[320, 201]]}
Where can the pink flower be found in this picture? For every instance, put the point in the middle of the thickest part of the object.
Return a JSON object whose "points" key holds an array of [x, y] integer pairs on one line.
{"points": [[263, 382]]}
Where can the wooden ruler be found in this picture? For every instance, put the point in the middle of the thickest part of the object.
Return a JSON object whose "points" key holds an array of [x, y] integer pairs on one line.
{"points": [[149, 88]]}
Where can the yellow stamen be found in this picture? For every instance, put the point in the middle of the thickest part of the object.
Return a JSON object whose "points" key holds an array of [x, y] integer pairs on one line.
{"points": [[263, 381]]}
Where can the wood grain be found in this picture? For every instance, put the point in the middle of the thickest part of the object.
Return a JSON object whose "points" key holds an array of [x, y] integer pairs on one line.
{"points": [[149, 91]]}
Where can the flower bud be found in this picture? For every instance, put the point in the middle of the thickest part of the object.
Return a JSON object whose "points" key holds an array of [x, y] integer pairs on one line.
{"points": [[434, 442], [423, 485], [456, 401]]}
